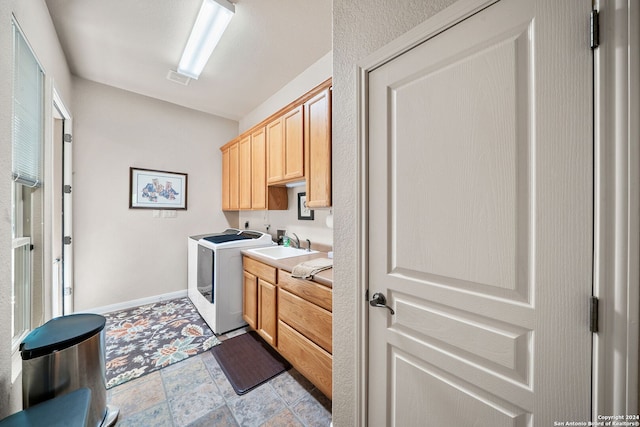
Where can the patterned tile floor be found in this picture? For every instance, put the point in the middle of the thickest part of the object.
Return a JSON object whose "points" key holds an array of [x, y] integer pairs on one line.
{"points": [[196, 393]]}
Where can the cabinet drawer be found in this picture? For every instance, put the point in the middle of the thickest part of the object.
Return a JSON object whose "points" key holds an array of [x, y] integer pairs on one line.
{"points": [[311, 291], [309, 359], [263, 271], [310, 320]]}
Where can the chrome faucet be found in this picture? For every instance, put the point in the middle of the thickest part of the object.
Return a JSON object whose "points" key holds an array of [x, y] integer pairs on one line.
{"points": [[296, 243], [308, 245]]}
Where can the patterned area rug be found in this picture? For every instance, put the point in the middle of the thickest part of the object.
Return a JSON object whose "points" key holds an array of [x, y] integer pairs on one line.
{"points": [[144, 339]]}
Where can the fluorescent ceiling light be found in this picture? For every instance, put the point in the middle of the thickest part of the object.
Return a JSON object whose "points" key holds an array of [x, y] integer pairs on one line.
{"points": [[212, 20]]}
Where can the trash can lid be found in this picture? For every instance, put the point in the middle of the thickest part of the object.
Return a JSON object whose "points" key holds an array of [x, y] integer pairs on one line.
{"points": [[71, 409], [61, 333]]}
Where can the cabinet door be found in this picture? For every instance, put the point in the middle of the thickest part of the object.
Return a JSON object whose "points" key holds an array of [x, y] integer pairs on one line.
{"points": [[225, 179], [258, 168], [244, 191], [317, 139], [275, 151], [250, 300], [234, 177], [293, 144], [267, 320]]}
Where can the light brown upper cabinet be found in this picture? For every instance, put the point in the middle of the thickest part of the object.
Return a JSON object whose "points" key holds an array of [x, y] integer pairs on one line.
{"points": [[225, 178], [291, 145], [285, 147], [232, 176], [258, 169], [317, 145], [275, 151], [263, 197], [245, 183]]}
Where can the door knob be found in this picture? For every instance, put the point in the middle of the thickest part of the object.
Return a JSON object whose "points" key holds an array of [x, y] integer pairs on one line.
{"points": [[379, 300]]}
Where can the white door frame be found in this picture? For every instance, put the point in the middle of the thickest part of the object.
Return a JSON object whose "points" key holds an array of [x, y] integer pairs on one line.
{"points": [[617, 225], [66, 264], [617, 207]]}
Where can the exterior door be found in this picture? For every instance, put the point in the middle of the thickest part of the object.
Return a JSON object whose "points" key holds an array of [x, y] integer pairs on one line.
{"points": [[480, 226]]}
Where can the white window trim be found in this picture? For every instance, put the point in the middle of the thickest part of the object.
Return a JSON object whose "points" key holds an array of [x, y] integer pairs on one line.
{"points": [[16, 366]]}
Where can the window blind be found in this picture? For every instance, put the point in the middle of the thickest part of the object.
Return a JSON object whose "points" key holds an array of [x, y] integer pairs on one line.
{"points": [[28, 106]]}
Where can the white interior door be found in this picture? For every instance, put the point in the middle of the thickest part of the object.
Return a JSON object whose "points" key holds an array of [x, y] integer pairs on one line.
{"points": [[480, 233]]}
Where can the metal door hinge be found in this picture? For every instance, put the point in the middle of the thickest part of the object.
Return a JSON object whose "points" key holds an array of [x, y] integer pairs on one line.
{"points": [[67, 240], [594, 24], [68, 137], [67, 189], [593, 314]]}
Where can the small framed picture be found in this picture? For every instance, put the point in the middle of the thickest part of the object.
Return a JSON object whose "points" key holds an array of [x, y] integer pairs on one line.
{"points": [[304, 212], [154, 189]]}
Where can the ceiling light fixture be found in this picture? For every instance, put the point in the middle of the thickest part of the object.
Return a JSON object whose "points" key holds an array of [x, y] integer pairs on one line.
{"points": [[212, 20]]}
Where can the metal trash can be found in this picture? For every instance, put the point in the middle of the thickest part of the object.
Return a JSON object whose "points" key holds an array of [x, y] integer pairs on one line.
{"points": [[63, 355]]}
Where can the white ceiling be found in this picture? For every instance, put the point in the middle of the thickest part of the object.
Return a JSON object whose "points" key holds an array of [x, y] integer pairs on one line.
{"points": [[132, 45]]}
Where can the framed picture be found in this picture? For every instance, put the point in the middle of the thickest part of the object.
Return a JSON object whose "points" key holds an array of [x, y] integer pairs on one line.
{"points": [[303, 211], [153, 189]]}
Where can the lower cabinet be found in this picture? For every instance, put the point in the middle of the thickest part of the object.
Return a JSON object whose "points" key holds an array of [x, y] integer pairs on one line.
{"points": [[292, 315], [260, 299], [250, 300], [267, 315]]}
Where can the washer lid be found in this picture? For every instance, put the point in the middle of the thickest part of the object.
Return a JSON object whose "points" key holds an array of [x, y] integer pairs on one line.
{"points": [[226, 238], [61, 333]]}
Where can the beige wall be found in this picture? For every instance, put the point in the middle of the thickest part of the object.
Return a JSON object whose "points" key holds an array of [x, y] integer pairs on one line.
{"points": [[315, 230], [124, 254], [34, 20], [360, 27]]}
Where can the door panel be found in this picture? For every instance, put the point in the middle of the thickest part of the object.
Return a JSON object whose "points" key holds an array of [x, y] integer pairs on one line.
{"points": [[480, 223], [476, 194], [465, 404]]}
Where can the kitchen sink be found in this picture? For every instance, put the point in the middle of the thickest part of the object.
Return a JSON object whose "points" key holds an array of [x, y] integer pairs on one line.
{"points": [[280, 252]]}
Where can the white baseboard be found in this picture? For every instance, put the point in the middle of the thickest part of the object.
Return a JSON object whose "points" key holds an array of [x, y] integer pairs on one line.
{"points": [[136, 302]]}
